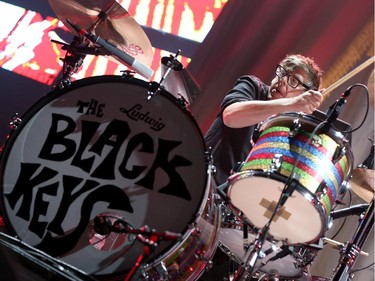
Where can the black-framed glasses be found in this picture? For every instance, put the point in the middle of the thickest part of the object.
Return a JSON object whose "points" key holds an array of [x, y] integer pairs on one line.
{"points": [[292, 80]]}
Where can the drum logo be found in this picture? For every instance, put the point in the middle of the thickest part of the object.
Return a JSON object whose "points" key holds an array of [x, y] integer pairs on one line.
{"points": [[104, 169], [135, 114]]}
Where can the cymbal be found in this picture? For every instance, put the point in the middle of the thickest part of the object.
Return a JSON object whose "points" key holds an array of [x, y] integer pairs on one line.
{"points": [[362, 183], [108, 20]]}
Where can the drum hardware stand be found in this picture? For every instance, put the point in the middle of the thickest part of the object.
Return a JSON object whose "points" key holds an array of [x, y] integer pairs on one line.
{"points": [[149, 237], [253, 251], [171, 63], [350, 254], [350, 211], [247, 265], [72, 61], [150, 245]]}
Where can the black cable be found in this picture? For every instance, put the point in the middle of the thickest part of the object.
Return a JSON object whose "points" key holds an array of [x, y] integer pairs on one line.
{"points": [[118, 255], [344, 221], [367, 109], [362, 268]]}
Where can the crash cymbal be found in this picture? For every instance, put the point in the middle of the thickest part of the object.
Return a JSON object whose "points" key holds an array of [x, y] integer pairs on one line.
{"points": [[109, 20], [362, 183]]}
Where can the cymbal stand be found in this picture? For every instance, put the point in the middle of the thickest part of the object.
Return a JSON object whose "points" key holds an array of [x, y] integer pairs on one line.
{"points": [[350, 254], [72, 62], [170, 63]]}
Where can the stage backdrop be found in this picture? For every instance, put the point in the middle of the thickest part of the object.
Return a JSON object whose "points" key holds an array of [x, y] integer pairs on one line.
{"points": [[250, 37]]}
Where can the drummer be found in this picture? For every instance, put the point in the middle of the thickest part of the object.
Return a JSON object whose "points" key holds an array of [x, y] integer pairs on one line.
{"points": [[295, 88]]}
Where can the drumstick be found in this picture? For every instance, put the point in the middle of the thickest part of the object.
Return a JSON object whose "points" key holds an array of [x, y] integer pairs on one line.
{"points": [[339, 244], [348, 76]]}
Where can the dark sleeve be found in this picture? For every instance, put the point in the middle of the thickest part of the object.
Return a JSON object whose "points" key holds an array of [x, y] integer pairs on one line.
{"points": [[246, 88]]}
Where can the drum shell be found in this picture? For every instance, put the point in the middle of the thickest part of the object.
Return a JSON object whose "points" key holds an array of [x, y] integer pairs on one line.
{"points": [[328, 150]]}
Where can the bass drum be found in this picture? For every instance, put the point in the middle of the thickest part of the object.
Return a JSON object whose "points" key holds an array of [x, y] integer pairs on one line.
{"points": [[109, 149]]}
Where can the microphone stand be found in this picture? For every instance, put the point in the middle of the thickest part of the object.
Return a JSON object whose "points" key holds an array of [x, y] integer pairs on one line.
{"points": [[71, 62], [151, 241], [353, 248], [247, 265], [149, 237], [150, 245]]}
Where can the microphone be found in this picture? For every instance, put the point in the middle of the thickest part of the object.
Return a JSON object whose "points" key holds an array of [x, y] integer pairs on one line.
{"points": [[116, 52], [354, 210], [104, 226], [119, 226], [336, 108]]}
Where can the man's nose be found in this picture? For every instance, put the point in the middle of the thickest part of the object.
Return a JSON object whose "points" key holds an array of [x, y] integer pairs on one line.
{"points": [[282, 80]]}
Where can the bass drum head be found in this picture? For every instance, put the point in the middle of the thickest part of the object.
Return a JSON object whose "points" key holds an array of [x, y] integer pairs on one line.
{"points": [[102, 148]]}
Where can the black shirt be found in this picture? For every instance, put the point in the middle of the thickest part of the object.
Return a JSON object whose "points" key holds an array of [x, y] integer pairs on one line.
{"points": [[230, 146]]}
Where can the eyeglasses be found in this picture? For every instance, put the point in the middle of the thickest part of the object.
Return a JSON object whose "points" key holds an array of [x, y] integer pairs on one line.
{"points": [[292, 80]]}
